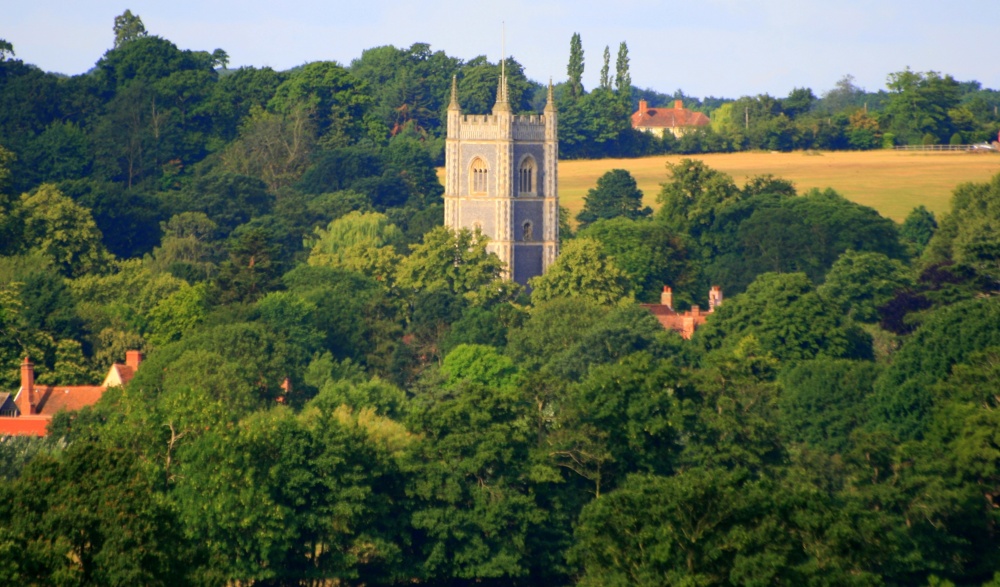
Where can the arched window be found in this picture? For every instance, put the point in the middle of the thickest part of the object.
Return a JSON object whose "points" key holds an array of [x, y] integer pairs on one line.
{"points": [[480, 176], [527, 176], [528, 231]]}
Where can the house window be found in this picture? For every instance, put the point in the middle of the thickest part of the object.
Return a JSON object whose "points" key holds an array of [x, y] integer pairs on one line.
{"points": [[480, 176], [527, 176], [528, 231]]}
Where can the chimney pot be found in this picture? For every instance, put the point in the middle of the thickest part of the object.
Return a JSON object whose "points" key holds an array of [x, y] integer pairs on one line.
{"points": [[667, 297], [643, 106]]}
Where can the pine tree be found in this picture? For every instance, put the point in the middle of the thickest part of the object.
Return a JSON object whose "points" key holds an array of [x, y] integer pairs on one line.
{"points": [[575, 67], [623, 80], [605, 82]]}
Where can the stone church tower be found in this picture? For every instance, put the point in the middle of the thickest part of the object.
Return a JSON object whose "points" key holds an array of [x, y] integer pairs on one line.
{"points": [[501, 177]]}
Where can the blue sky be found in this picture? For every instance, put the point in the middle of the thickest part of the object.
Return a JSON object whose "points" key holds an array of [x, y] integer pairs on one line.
{"points": [[712, 47]]}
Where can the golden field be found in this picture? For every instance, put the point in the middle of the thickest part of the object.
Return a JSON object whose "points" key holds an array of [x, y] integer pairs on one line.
{"points": [[892, 182]]}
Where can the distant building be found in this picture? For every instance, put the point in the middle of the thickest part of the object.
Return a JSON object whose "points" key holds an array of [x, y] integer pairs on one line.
{"points": [[677, 120], [501, 178], [683, 323], [29, 411]]}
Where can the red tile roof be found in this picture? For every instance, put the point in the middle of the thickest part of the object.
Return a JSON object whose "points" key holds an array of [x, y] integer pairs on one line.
{"points": [[52, 398], [678, 116]]}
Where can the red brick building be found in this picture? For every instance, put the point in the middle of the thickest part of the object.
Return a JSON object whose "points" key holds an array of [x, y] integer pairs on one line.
{"points": [[29, 411], [676, 120], [683, 323]]}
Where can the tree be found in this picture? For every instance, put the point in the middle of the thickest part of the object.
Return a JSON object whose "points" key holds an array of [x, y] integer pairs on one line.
{"points": [[651, 254], [575, 68], [62, 230], [334, 99], [6, 158], [799, 101], [128, 27], [859, 283], [605, 69], [918, 227], [583, 270], [623, 79], [788, 317], [969, 235], [363, 242], [456, 262], [616, 194], [220, 59], [6, 48], [918, 105], [474, 506], [273, 148]]}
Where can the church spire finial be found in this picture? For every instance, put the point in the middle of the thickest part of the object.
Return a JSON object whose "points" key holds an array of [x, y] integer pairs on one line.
{"points": [[454, 94], [550, 102], [502, 102]]}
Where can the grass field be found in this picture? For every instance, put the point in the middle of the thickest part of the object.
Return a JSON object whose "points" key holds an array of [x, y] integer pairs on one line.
{"points": [[892, 182]]}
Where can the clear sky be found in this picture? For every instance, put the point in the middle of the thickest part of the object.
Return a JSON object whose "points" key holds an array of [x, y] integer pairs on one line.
{"points": [[725, 48]]}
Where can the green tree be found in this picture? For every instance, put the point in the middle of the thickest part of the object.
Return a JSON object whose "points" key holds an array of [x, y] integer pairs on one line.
{"points": [[474, 503], [128, 27], [6, 48], [606, 69], [574, 70], [823, 401], [272, 147], [918, 227], [583, 270], [788, 317], [456, 262], [363, 242], [918, 105], [616, 194], [61, 524], [62, 231], [651, 255], [333, 98], [623, 79], [859, 283]]}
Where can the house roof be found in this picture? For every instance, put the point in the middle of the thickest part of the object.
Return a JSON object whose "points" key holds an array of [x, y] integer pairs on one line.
{"points": [[53, 398], [667, 117]]}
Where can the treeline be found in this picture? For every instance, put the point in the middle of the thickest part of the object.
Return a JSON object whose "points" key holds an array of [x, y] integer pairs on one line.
{"points": [[339, 391], [915, 108]]}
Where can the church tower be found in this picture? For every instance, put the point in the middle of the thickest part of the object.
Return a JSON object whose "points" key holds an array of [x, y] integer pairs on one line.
{"points": [[501, 177]]}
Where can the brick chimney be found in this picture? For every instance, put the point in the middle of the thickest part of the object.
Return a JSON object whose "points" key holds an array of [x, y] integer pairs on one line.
{"points": [[678, 104], [643, 106], [714, 298], [26, 399], [133, 359], [667, 297]]}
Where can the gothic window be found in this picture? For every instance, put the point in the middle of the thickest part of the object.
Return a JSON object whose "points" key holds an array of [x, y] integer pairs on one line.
{"points": [[527, 228], [527, 176], [480, 176]]}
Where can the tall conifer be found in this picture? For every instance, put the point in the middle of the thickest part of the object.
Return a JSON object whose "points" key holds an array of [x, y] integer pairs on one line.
{"points": [[575, 67], [623, 79], [605, 82]]}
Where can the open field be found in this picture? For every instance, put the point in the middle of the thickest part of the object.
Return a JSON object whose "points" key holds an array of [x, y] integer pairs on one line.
{"points": [[892, 182]]}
